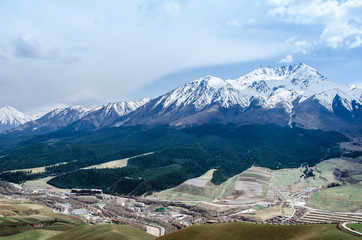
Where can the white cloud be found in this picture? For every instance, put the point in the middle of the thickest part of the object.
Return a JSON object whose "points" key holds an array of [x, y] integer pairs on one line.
{"points": [[341, 20], [4, 54], [287, 59], [172, 8], [299, 45], [28, 46], [86, 98], [39, 112], [234, 23], [292, 39], [251, 21], [238, 23], [357, 43], [304, 44], [159, 7]]}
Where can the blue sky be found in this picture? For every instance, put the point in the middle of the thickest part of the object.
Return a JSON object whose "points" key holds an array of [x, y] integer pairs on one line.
{"points": [[89, 52]]}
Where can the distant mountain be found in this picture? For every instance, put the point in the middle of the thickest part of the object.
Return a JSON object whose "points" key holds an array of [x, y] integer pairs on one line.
{"points": [[82, 117], [106, 115], [11, 118], [289, 95]]}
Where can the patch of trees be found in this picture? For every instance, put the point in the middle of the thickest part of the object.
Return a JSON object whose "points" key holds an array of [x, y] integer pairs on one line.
{"points": [[333, 184], [20, 176], [180, 154], [308, 172], [353, 154]]}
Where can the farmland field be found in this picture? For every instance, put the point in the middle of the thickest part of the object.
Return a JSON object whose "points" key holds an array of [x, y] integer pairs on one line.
{"points": [[37, 169], [193, 190], [116, 163], [286, 177], [40, 183], [253, 180]]}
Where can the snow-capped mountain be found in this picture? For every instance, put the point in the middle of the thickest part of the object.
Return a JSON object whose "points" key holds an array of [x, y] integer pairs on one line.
{"points": [[290, 95], [285, 95], [106, 115], [11, 118], [80, 117], [56, 119]]}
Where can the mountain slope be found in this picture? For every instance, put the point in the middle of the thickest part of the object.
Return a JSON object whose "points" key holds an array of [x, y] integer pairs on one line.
{"points": [[80, 118], [104, 231], [287, 96], [54, 120], [106, 115], [284, 96], [247, 231], [11, 118]]}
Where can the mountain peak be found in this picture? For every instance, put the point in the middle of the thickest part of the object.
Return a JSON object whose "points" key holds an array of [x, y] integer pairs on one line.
{"points": [[213, 82], [268, 87], [279, 73], [10, 118]]}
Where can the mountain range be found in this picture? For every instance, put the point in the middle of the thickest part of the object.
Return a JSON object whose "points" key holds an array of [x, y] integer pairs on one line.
{"points": [[287, 96]]}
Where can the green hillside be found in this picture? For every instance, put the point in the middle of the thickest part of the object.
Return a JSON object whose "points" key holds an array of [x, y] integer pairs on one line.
{"points": [[104, 232], [179, 154], [32, 235], [19, 218], [246, 231]]}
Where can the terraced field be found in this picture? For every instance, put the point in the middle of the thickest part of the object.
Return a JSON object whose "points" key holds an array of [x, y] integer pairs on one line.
{"points": [[255, 190], [319, 216], [249, 186]]}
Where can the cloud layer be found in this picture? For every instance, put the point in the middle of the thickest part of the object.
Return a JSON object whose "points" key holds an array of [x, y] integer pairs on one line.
{"points": [[92, 52], [341, 20]]}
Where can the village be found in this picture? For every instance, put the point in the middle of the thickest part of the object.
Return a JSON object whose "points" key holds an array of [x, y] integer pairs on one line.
{"points": [[158, 217]]}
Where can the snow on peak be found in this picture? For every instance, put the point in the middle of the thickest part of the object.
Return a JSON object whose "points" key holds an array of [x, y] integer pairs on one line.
{"points": [[198, 93], [355, 86], [78, 110], [122, 108], [12, 117], [270, 86], [213, 82], [293, 73]]}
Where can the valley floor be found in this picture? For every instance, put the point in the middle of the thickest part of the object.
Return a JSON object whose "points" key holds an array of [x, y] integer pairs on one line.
{"points": [[284, 197]]}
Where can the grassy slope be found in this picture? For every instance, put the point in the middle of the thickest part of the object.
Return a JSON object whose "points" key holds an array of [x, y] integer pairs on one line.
{"points": [[185, 192], [356, 226], [245, 231], [20, 215], [40, 183], [104, 232], [343, 198], [32, 235]]}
